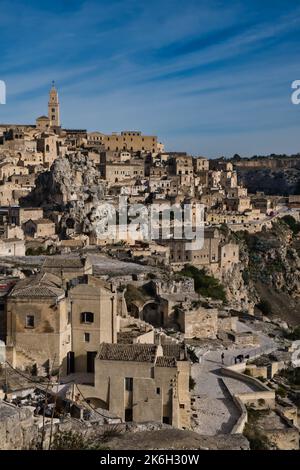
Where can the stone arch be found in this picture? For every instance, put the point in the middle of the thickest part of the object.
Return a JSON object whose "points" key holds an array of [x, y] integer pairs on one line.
{"points": [[133, 310], [151, 313]]}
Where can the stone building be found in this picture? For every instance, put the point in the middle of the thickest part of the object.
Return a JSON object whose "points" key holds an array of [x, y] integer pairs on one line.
{"points": [[8, 169], [116, 172], [182, 166], [38, 325], [19, 215], [130, 140], [93, 310], [215, 252], [68, 268], [39, 228], [201, 164], [12, 247], [144, 382], [199, 322], [238, 204], [47, 144]]}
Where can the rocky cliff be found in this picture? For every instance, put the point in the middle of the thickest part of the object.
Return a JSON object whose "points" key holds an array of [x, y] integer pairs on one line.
{"points": [[72, 186], [271, 181], [273, 174], [268, 275]]}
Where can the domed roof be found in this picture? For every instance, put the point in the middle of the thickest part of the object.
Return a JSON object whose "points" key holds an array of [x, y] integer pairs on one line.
{"points": [[42, 118]]}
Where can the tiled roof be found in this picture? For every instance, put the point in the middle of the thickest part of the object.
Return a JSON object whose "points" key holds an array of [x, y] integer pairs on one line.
{"points": [[127, 352], [172, 350], [165, 361], [41, 285], [126, 337]]}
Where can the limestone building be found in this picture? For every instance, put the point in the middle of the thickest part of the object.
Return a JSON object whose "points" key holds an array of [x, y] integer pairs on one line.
{"points": [[116, 172], [38, 326], [68, 268], [215, 253], [93, 311], [39, 228], [130, 140], [144, 382]]}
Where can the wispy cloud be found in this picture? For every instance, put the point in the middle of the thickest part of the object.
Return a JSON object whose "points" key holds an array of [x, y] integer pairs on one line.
{"points": [[207, 75]]}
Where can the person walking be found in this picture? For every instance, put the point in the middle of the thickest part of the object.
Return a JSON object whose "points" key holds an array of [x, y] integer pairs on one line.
{"points": [[222, 357]]}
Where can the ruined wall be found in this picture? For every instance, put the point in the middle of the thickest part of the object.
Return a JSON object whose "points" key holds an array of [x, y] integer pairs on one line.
{"points": [[17, 427], [200, 323]]}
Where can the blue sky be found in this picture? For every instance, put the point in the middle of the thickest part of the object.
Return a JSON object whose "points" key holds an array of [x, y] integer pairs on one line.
{"points": [[210, 77]]}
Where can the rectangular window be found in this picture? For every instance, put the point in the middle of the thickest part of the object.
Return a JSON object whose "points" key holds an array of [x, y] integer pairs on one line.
{"points": [[29, 321], [87, 337], [158, 391], [181, 406], [87, 317], [128, 384]]}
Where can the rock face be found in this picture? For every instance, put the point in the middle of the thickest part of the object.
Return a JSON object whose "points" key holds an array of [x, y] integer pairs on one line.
{"points": [[271, 182], [273, 174], [240, 295], [73, 186], [269, 271], [17, 427]]}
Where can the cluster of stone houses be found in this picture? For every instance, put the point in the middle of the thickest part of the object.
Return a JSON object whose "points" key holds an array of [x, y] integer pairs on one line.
{"points": [[65, 318], [130, 164]]}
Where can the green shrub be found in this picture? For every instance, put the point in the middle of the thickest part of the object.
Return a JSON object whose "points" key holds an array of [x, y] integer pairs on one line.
{"points": [[205, 284], [256, 439], [292, 223], [71, 440], [281, 392]]}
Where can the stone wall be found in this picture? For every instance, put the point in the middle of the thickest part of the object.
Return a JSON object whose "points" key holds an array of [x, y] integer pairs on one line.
{"points": [[201, 323], [17, 427]]}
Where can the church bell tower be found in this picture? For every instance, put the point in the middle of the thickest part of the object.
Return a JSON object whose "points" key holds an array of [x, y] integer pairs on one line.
{"points": [[53, 107]]}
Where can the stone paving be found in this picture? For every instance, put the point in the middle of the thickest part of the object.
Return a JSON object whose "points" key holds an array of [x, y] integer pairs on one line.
{"points": [[213, 410]]}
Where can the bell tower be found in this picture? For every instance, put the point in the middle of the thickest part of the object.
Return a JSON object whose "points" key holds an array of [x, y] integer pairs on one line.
{"points": [[53, 107]]}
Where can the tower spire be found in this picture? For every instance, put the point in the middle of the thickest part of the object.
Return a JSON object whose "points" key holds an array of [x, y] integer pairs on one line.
{"points": [[53, 107]]}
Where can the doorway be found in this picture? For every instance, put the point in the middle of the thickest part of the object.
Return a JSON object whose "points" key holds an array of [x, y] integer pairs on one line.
{"points": [[90, 361]]}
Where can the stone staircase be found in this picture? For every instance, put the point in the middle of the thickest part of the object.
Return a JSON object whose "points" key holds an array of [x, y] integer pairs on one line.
{"points": [[25, 360]]}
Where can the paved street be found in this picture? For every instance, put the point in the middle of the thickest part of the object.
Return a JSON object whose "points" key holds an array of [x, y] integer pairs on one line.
{"points": [[213, 409]]}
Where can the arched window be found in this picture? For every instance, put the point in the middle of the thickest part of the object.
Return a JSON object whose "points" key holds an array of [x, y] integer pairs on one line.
{"points": [[47, 148], [87, 317]]}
